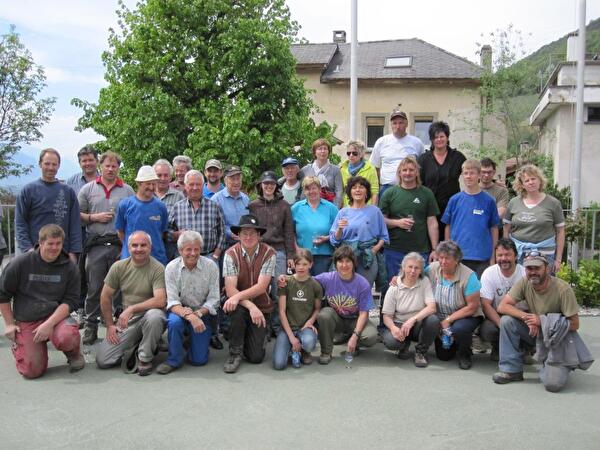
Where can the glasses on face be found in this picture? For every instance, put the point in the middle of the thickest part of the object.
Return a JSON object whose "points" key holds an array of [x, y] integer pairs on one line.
{"points": [[352, 153]]}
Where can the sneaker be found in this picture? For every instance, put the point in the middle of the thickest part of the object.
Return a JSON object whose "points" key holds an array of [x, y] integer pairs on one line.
{"points": [[307, 358], [325, 358], [144, 368], [164, 369], [232, 364], [215, 342], [421, 360], [76, 361], [90, 335], [495, 355], [506, 377], [464, 361]]}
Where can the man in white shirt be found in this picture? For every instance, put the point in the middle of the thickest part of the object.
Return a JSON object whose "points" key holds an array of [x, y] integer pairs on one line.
{"points": [[496, 281], [392, 148]]}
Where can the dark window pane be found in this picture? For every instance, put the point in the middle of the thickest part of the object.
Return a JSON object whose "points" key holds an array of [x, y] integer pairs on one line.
{"points": [[374, 132]]}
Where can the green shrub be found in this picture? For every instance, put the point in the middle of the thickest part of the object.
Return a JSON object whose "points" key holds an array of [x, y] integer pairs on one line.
{"points": [[585, 282]]}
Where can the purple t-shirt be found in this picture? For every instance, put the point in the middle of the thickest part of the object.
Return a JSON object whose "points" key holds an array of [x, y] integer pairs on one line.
{"points": [[347, 298]]}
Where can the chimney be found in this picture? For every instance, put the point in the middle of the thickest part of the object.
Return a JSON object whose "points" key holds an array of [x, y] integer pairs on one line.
{"points": [[485, 57], [572, 44], [339, 37]]}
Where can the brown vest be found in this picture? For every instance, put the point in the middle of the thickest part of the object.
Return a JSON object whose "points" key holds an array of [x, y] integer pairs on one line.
{"points": [[249, 271]]}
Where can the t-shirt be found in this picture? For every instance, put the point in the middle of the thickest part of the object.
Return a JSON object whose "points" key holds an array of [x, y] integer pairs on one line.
{"points": [[137, 284], [447, 294], [499, 193], [558, 297], [404, 302], [470, 218], [494, 285], [151, 217], [364, 224], [310, 223], [290, 194], [442, 179], [534, 224], [300, 300], [347, 298], [397, 203], [389, 150]]}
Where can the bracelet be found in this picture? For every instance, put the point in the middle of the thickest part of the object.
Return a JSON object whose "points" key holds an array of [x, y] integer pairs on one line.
{"points": [[355, 333]]}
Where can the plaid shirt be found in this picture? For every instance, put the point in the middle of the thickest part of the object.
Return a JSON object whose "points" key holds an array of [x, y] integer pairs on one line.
{"points": [[206, 220], [170, 198]]}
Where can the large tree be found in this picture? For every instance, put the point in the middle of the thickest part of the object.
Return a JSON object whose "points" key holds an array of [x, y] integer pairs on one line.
{"points": [[22, 113], [206, 78]]}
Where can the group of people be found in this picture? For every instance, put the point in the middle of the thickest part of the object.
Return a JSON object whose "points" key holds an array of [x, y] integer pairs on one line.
{"points": [[195, 256]]}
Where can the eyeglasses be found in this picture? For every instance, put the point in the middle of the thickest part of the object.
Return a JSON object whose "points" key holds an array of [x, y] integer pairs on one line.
{"points": [[352, 153]]}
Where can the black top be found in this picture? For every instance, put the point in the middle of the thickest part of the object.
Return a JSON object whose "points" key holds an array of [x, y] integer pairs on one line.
{"points": [[442, 179]]}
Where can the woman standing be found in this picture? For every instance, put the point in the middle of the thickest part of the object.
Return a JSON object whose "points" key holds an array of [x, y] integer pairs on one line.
{"points": [[356, 165], [534, 220], [456, 292], [313, 218], [441, 168], [329, 175], [362, 227]]}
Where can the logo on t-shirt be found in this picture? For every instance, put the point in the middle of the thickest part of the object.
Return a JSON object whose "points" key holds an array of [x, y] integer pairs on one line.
{"points": [[156, 218], [416, 200], [299, 296], [478, 212]]}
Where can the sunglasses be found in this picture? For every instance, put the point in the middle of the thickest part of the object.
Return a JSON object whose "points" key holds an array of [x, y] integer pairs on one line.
{"points": [[352, 153], [532, 253]]}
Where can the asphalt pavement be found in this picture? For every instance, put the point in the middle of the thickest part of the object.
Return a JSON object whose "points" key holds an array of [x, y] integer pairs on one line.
{"points": [[380, 402]]}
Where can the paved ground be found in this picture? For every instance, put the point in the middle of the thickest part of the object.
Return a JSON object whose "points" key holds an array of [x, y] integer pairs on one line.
{"points": [[380, 402]]}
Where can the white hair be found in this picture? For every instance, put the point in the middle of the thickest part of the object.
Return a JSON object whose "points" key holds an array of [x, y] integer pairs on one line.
{"points": [[164, 162], [188, 236], [193, 173], [182, 159]]}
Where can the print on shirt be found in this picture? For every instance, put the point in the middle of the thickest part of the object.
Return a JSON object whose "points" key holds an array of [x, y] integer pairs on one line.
{"points": [[299, 297], [344, 304], [60, 207]]}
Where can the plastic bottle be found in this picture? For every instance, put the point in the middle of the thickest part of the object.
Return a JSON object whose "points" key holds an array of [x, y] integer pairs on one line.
{"points": [[296, 361], [447, 338]]}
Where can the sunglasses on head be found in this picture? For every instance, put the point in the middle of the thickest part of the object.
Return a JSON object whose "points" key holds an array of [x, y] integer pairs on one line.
{"points": [[352, 153], [532, 253]]}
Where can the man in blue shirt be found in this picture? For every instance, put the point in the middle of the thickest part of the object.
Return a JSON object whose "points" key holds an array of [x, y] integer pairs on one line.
{"points": [[233, 202], [213, 171], [471, 219], [143, 212]]}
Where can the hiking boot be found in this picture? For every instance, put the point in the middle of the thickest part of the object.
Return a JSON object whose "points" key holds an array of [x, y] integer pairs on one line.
{"points": [[306, 357], [215, 342], [232, 364], [495, 355], [76, 361], [464, 360], [144, 368], [164, 368], [325, 358], [420, 360], [90, 335], [506, 377]]}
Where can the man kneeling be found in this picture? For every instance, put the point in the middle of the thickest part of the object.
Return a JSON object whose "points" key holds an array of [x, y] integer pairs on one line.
{"points": [[192, 297], [141, 279], [43, 285]]}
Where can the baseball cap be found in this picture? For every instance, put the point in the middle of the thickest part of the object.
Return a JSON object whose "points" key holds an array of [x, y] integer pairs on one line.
{"points": [[232, 170], [396, 112], [213, 163], [534, 258], [289, 161]]}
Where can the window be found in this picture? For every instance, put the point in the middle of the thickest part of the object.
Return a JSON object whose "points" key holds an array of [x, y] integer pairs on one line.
{"points": [[593, 114], [422, 124], [398, 61], [375, 128]]}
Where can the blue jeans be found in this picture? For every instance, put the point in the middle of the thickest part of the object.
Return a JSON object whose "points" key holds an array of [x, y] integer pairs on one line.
{"points": [[512, 332], [321, 263], [308, 340], [393, 261], [197, 354], [462, 332]]}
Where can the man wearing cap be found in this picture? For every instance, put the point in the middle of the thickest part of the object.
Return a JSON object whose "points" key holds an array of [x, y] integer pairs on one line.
{"points": [[213, 171], [248, 268], [144, 211], [543, 294], [291, 182], [392, 148], [98, 202], [233, 202]]}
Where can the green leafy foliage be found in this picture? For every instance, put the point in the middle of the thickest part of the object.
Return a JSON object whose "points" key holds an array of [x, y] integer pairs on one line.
{"points": [[585, 281], [22, 112], [205, 78]]}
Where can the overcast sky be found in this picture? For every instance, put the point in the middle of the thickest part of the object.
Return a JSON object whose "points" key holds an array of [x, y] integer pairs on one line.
{"points": [[68, 36]]}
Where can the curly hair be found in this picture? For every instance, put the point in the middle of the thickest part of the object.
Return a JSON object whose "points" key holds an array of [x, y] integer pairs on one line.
{"points": [[358, 180], [532, 171]]}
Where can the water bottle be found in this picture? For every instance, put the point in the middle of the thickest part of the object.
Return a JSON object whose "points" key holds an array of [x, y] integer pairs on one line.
{"points": [[296, 362], [348, 357], [447, 338]]}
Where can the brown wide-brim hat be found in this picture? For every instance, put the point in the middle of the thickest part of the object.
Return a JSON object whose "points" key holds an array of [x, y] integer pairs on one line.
{"points": [[248, 221]]}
